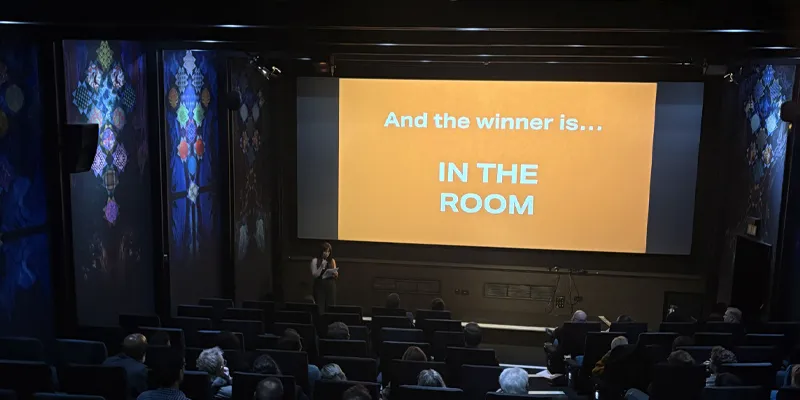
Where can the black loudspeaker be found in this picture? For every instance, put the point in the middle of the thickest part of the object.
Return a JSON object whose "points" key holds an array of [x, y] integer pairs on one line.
{"points": [[751, 271], [790, 112], [79, 145]]}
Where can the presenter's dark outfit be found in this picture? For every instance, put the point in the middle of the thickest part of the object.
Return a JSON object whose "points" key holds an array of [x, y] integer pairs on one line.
{"points": [[324, 284]]}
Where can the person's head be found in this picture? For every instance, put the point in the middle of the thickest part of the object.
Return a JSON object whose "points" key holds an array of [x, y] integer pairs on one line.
{"points": [[211, 361], [228, 341], [682, 341], [325, 251], [720, 355], [430, 378], [357, 392], [332, 372], [135, 346], [624, 318], [338, 331], [514, 381], [579, 316], [414, 353], [269, 389], [266, 365], [619, 341], [160, 338], [732, 315], [437, 304], [681, 358], [472, 335], [794, 377], [393, 301], [290, 340], [168, 373], [727, 379]]}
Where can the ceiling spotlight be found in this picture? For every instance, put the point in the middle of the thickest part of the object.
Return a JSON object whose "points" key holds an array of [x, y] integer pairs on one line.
{"points": [[269, 71]]}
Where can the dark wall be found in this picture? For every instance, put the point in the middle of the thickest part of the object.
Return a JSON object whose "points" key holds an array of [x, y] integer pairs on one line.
{"points": [[756, 148], [111, 214], [252, 181], [26, 297], [193, 141], [369, 263]]}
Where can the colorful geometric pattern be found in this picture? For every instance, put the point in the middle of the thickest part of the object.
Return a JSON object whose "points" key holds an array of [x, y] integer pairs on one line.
{"points": [[190, 92], [26, 301]]}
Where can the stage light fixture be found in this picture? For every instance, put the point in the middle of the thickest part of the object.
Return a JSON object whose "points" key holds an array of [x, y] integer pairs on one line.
{"points": [[261, 65]]}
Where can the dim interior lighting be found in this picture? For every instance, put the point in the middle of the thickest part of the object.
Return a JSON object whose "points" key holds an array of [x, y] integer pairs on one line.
{"points": [[234, 26], [471, 29], [261, 65], [425, 61], [387, 44], [304, 59]]}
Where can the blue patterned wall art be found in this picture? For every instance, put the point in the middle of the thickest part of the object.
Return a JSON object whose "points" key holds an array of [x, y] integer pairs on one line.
{"points": [[26, 300], [193, 141], [111, 214], [250, 129]]}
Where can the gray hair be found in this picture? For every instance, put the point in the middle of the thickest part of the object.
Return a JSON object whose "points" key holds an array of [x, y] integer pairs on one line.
{"points": [[733, 315], [514, 381], [430, 378], [211, 361], [579, 316], [619, 341], [332, 372]]}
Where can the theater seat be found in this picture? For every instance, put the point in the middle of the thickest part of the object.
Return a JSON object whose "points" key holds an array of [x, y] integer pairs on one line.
{"points": [[130, 323], [6, 394], [677, 382], [244, 385], [21, 349], [402, 372], [549, 395], [752, 374], [26, 377], [402, 335], [426, 393], [62, 396], [443, 340], [196, 385], [294, 363], [185, 310], [106, 381], [735, 393], [477, 380], [71, 351], [342, 348], [346, 310], [325, 390], [395, 350], [632, 330], [356, 368]]}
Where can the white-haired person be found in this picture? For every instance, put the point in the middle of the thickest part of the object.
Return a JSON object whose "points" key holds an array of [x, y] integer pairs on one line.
{"points": [[212, 361], [430, 378], [600, 365], [513, 381], [556, 351], [732, 315]]}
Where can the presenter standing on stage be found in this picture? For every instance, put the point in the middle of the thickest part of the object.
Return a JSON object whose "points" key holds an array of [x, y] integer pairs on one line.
{"points": [[325, 273]]}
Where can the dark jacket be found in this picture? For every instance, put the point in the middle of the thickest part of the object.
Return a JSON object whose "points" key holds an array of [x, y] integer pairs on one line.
{"points": [[135, 370]]}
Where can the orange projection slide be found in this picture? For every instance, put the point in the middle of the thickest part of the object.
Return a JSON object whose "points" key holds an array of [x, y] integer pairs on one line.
{"points": [[535, 165]]}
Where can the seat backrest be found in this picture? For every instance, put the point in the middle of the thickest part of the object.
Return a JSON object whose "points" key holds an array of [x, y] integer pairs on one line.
{"points": [[632, 330], [572, 339], [267, 341], [788, 393], [724, 327], [752, 374], [157, 354], [7, 394], [111, 336], [346, 310], [663, 339], [758, 354], [459, 356], [477, 380], [245, 383], [406, 372], [293, 317], [130, 323], [249, 330], [267, 309], [388, 312], [244, 314], [726, 340], [216, 303], [597, 345], [700, 354], [110, 382], [294, 363], [306, 332], [672, 382], [21, 349], [190, 326], [71, 351], [324, 390], [765, 339], [380, 322], [431, 314], [356, 368], [546, 395], [408, 392], [735, 393], [207, 339], [188, 310], [402, 335], [350, 319], [196, 385], [681, 328], [310, 308], [395, 350], [26, 377], [62, 396], [176, 337], [342, 348], [190, 355], [443, 340], [359, 333]]}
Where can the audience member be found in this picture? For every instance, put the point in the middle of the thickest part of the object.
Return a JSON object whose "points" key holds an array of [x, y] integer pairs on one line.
{"points": [[160, 338], [212, 361], [131, 359], [357, 392], [727, 379], [167, 376], [393, 301], [292, 341], [600, 366], [472, 335], [228, 341], [556, 350], [719, 356], [338, 331], [682, 341], [514, 381], [430, 378], [269, 389], [332, 372], [795, 376], [437, 304], [733, 315], [624, 318], [414, 353], [680, 358], [266, 365]]}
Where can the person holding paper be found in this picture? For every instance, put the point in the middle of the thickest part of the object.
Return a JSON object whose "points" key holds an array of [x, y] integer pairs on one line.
{"points": [[325, 273]]}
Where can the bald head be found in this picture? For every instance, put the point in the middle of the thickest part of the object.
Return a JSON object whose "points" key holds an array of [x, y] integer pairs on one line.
{"points": [[269, 389], [135, 346], [579, 316]]}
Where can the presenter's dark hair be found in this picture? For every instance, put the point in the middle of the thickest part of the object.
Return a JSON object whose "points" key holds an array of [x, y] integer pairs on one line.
{"points": [[437, 304], [323, 247]]}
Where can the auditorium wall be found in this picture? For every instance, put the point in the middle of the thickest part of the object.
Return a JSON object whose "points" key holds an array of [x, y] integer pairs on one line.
{"points": [[26, 294], [463, 276], [755, 149]]}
